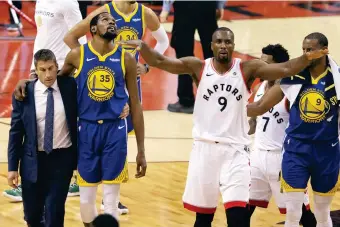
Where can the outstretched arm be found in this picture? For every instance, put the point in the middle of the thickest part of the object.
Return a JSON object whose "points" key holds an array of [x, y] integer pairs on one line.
{"points": [[186, 65], [272, 97], [136, 111], [80, 29], [260, 69]]}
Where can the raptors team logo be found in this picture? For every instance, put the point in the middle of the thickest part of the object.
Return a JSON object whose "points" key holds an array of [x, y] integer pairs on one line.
{"points": [[313, 106], [100, 83], [125, 34]]}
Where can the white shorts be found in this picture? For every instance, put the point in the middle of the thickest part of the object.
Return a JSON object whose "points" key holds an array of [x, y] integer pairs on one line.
{"points": [[265, 179], [216, 168]]}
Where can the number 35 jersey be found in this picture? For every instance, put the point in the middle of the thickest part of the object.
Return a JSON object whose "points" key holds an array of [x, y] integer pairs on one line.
{"points": [[101, 84], [271, 126], [220, 113]]}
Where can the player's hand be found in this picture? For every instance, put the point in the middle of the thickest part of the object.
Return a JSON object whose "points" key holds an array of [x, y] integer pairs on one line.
{"points": [[163, 16], [141, 165], [135, 43], [13, 179], [20, 89], [125, 112], [315, 54], [141, 69]]}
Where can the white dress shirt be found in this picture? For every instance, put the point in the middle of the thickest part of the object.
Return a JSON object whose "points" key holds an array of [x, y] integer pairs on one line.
{"points": [[54, 18], [61, 133]]}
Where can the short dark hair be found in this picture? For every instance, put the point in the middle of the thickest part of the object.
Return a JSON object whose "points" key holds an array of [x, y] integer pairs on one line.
{"points": [[223, 29], [279, 53], [322, 39], [44, 55], [105, 220], [94, 21]]}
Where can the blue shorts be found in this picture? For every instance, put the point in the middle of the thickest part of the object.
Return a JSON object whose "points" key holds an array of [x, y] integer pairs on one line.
{"points": [[129, 119], [316, 160], [102, 152]]}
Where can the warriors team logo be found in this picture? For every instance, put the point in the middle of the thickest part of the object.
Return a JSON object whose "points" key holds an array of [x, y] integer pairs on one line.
{"points": [[100, 82], [313, 106], [125, 34]]}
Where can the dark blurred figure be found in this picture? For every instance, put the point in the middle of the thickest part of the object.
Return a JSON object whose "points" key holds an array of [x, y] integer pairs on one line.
{"points": [[12, 26], [105, 220], [84, 4], [189, 16], [83, 7]]}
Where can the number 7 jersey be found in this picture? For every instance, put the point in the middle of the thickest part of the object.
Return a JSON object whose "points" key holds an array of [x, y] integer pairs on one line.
{"points": [[220, 113], [271, 126]]}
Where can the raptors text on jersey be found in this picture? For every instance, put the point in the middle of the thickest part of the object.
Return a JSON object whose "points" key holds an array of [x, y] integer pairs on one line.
{"points": [[220, 108], [271, 126]]}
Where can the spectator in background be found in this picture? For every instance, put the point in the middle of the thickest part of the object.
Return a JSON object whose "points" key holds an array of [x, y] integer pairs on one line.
{"points": [[200, 15], [12, 26]]}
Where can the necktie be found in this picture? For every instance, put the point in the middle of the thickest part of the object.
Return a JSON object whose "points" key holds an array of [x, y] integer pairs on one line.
{"points": [[48, 137]]}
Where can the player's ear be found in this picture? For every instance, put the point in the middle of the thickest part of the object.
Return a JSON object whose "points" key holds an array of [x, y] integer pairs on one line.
{"points": [[93, 29], [211, 46]]}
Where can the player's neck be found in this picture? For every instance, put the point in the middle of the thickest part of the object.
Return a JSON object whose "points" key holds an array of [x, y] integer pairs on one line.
{"points": [[222, 68], [102, 46], [125, 7], [318, 69]]}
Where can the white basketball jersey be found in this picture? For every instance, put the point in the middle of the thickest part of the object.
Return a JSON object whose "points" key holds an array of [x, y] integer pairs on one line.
{"points": [[271, 126], [220, 112], [54, 18]]}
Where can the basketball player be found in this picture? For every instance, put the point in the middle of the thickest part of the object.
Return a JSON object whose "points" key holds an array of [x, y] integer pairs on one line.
{"points": [[311, 146], [132, 18], [220, 157], [103, 68], [53, 20], [266, 158]]}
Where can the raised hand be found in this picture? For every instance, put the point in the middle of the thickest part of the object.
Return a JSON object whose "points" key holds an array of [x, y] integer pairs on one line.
{"points": [[315, 54]]}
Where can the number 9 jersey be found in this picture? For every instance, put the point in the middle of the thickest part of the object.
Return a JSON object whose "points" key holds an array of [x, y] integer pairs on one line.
{"points": [[220, 113]]}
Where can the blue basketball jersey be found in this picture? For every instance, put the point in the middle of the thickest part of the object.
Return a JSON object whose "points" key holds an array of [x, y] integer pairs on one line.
{"points": [[314, 114], [130, 27], [101, 84]]}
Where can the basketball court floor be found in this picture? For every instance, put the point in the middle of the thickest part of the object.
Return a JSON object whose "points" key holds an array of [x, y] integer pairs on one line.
{"points": [[155, 200]]}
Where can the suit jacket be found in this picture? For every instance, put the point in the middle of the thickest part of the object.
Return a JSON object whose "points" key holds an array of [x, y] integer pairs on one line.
{"points": [[22, 145]]}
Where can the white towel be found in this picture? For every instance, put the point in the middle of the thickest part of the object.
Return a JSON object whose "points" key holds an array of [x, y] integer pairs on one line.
{"points": [[291, 91]]}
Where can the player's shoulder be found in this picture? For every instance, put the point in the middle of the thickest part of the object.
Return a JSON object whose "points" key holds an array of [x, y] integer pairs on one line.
{"points": [[253, 63]]}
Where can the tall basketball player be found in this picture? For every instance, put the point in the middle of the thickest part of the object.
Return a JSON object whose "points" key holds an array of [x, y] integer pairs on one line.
{"points": [[132, 19], [53, 19], [104, 70], [266, 158], [311, 146], [220, 157]]}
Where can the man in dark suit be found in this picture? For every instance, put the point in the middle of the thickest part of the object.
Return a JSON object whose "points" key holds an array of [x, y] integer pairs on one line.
{"points": [[43, 140]]}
